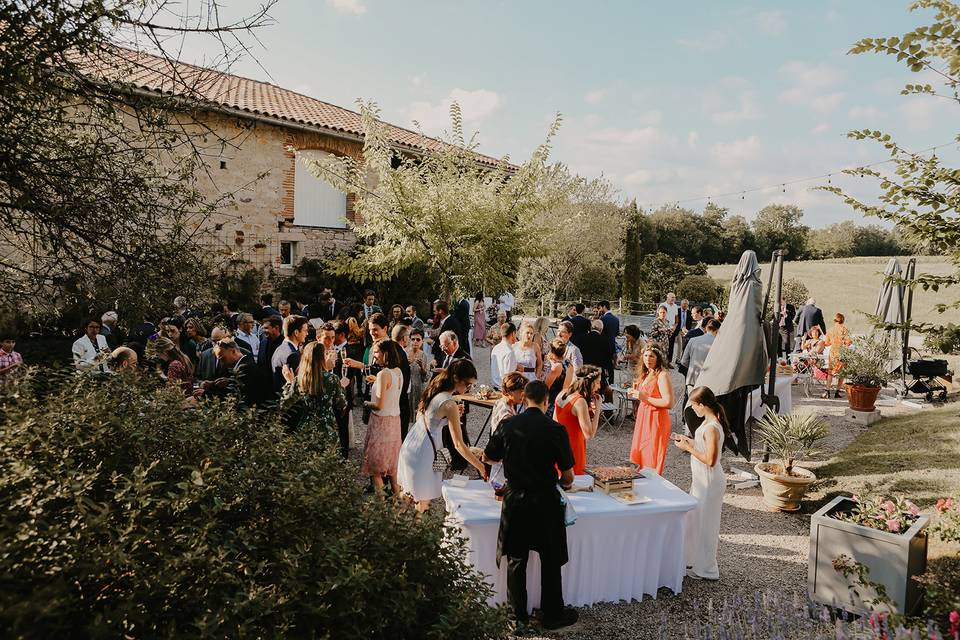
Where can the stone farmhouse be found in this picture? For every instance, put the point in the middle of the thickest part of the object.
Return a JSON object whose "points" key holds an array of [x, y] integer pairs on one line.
{"points": [[288, 214]]}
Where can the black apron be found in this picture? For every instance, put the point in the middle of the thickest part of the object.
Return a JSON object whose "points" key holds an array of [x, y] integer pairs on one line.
{"points": [[533, 521]]}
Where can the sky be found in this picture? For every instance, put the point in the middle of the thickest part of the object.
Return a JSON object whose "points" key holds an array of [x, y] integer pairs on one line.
{"points": [[669, 101]]}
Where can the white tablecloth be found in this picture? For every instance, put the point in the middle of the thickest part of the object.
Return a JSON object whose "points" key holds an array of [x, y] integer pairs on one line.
{"points": [[784, 391], [617, 552]]}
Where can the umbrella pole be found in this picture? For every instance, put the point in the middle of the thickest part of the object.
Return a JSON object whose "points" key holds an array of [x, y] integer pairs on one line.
{"points": [[770, 399], [905, 349]]}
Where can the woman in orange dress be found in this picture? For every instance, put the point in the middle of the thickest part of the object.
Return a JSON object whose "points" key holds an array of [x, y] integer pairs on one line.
{"points": [[577, 409], [655, 392], [838, 336]]}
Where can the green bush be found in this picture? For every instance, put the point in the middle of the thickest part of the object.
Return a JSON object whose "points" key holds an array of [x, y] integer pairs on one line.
{"points": [[946, 341], [126, 515], [700, 289], [795, 292]]}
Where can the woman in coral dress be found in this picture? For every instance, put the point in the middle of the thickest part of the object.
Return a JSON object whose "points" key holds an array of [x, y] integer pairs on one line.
{"points": [[655, 392], [578, 410]]}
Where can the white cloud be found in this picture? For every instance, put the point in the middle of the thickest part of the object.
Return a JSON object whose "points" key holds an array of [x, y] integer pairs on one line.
{"points": [[823, 127], [712, 41], [618, 136], [919, 112], [772, 23], [418, 80], [812, 86], [647, 176], [596, 96], [864, 113], [354, 7], [746, 109], [476, 106], [736, 153], [692, 139]]}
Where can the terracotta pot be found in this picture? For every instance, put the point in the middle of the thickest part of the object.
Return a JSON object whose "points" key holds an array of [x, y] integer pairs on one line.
{"points": [[861, 398], [783, 492]]}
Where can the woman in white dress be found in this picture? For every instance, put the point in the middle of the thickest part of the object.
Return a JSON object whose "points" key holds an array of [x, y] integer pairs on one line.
{"points": [[707, 486], [415, 473], [528, 352]]}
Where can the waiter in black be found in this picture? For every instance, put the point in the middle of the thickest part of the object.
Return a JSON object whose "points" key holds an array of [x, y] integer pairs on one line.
{"points": [[532, 447]]}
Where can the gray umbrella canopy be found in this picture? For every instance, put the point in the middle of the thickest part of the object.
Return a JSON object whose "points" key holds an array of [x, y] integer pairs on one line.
{"points": [[890, 305], [738, 357]]}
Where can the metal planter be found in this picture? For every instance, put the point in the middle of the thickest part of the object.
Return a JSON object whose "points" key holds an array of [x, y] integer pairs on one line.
{"points": [[892, 558]]}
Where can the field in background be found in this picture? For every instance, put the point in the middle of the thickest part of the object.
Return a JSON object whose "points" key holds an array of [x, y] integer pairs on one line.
{"points": [[849, 285]]}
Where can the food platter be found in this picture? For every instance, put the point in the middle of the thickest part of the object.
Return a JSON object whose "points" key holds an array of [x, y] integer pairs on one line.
{"points": [[612, 479], [630, 497]]}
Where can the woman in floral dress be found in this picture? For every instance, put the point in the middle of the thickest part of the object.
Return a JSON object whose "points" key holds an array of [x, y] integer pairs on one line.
{"points": [[419, 368], [313, 398], [479, 321], [661, 331]]}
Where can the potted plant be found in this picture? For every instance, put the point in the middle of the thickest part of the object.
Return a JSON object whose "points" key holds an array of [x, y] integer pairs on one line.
{"points": [[787, 437], [865, 553], [866, 368]]}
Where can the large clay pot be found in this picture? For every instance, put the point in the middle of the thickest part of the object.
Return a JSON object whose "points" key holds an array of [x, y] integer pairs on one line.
{"points": [[783, 492], [861, 398]]}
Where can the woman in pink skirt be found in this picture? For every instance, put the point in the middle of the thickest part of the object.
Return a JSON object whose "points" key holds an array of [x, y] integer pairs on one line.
{"points": [[381, 447], [479, 321]]}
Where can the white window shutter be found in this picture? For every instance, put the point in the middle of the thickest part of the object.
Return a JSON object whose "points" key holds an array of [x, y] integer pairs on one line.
{"points": [[316, 203]]}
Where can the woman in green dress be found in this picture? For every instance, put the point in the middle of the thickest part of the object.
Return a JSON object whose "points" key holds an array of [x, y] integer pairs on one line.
{"points": [[313, 398]]}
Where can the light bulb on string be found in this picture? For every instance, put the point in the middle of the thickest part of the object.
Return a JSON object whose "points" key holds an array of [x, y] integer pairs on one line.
{"points": [[784, 186]]}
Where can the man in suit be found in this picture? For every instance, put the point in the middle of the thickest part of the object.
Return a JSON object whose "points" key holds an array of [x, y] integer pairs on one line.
{"points": [[401, 335], [532, 448], [611, 329], [295, 330], [581, 324], [691, 364], [810, 315], [450, 350], [697, 329], [447, 323], [682, 324], [270, 339], [464, 315], [596, 350], [250, 382], [343, 420], [266, 308], [787, 314]]}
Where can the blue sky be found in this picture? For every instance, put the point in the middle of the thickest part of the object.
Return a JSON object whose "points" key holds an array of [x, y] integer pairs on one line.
{"points": [[670, 101]]}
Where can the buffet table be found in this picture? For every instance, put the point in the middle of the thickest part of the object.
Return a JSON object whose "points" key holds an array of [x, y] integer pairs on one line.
{"points": [[617, 551]]}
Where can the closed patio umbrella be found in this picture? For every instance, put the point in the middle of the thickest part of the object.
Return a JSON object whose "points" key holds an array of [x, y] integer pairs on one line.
{"points": [[737, 362], [890, 305]]}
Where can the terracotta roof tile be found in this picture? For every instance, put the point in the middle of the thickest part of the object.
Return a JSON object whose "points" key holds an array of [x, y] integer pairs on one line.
{"points": [[154, 73]]}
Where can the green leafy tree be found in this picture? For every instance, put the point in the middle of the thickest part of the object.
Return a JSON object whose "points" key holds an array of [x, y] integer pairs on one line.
{"points": [[468, 224], [680, 232], [699, 289], [777, 226], [661, 273], [922, 194], [737, 238]]}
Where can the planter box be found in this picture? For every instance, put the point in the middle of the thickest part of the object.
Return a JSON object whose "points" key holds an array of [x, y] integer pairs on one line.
{"points": [[892, 558]]}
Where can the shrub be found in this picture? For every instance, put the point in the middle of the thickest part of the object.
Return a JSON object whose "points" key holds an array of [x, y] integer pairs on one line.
{"points": [[795, 292], [867, 361], [946, 341], [127, 515], [700, 289]]}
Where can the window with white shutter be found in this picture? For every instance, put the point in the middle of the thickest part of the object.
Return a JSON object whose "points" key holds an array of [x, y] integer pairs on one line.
{"points": [[316, 203]]}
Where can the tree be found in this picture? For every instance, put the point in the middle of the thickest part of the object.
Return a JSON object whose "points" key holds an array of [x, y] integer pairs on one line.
{"points": [[922, 195], [737, 238], [468, 224], [700, 289], [680, 232], [661, 274], [777, 226], [581, 240], [637, 227], [98, 184]]}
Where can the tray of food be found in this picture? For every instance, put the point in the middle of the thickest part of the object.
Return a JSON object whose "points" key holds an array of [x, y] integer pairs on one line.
{"points": [[609, 479]]}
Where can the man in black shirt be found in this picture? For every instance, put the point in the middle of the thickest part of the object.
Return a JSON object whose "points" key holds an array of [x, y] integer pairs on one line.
{"points": [[532, 447]]}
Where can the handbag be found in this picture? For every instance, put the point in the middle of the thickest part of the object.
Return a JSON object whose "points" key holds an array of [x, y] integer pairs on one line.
{"points": [[441, 457]]}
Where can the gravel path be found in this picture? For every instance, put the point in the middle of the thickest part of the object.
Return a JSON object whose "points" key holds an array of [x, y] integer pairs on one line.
{"points": [[759, 549]]}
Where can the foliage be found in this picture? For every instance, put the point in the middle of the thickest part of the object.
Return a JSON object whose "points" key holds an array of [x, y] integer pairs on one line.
{"points": [[639, 238], [866, 362], [795, 292], [895, 515], [777, 226], [467, 223], [791, 435], [773, 614], [921, 195], [941, 591], [239, 285], [946, 341], [129, 515], [699, 289], [947, 526], [660, 274], [847, 239], [581, 240], [100, 185]]}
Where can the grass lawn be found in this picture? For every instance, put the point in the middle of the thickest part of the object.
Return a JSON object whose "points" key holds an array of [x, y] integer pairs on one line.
{"points": [[849, 285], [915, 455]]}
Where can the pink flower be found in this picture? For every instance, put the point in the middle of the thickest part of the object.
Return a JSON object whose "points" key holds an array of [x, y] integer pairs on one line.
{"points": [[941, 505], [913, 509], [893, 525], [889, 507]]}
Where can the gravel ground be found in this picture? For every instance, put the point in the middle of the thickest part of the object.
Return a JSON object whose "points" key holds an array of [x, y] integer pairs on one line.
{"points": [[759, 549]]}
